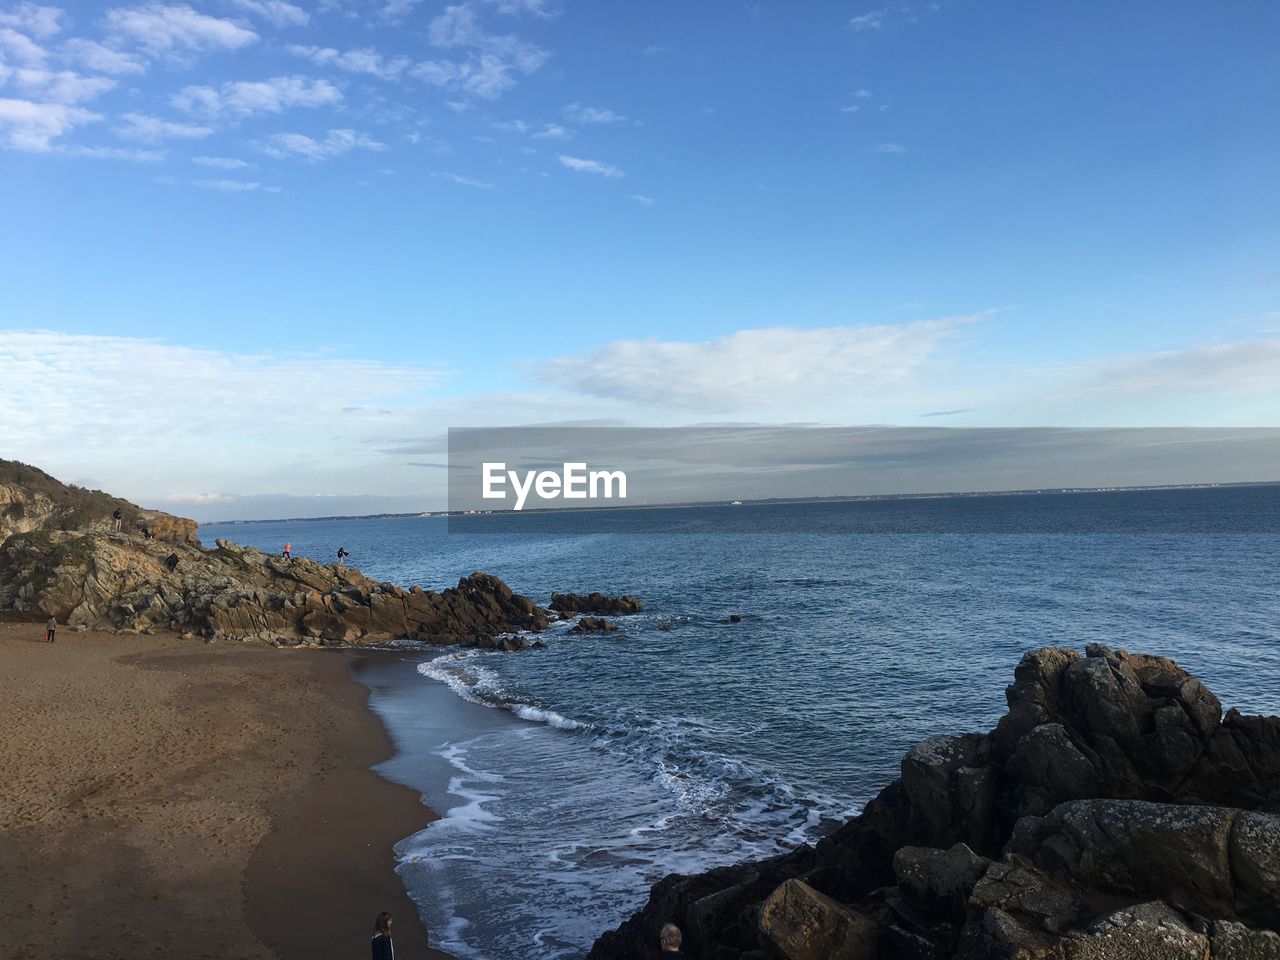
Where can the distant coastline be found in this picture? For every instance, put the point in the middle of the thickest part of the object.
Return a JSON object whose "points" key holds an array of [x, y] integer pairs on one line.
{"points": [[760, 501]]}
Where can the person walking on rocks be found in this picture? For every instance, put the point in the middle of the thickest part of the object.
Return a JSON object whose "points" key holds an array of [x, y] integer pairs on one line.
{"points": [[288, 551], [342, 556], [50, 628], [116, 517], [383, 948]]}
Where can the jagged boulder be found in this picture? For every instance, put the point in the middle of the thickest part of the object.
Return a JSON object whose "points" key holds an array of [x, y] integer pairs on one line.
{"points": [[1113, 813], [593, 625]]}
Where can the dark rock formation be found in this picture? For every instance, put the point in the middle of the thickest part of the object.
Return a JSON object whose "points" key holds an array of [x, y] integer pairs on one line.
{"points": [[571, 603], [593, 625], [120, 581], [1112, 813], [61, 556]]}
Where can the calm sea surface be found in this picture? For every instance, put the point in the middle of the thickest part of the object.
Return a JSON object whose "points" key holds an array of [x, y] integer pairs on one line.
{"points": [[572, 778]]}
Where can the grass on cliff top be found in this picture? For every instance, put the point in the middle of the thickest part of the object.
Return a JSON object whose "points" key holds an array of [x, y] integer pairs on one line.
{"points": [[74, 507]]}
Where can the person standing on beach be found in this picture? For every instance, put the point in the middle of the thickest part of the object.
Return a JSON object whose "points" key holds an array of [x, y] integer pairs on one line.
{"points": [[50, 628], [669, 941], [288, 551], [383, 949]]}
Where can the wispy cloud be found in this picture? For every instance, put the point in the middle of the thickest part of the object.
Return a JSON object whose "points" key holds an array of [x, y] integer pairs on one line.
{"points": [[148, 129], [553, 131], [276, 12], [755, 369], [32, 127], [234, 186], [871, 20], [364, 60], [889, 148], [495, 61], [60, 86], [245, 98], [335, 142], [464, 181], [577, 113], [177, 31], [582, 165], [96, 56], [220, 163], [640, 198], [36, 20]]}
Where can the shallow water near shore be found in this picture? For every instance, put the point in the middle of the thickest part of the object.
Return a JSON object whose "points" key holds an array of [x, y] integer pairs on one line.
{"points": [[572, 778]]}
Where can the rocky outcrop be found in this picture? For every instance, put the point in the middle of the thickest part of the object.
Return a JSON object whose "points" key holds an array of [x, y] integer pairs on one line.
{"points": [[571, 603], [1114, 812], [125, 581], [593, 625]]}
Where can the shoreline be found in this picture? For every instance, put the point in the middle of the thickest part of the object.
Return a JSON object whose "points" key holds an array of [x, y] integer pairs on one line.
{"points": [[174, 798]]}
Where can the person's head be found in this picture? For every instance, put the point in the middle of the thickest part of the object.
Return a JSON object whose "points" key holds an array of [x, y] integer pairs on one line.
{"points": [[669, 939], [383, 923]]}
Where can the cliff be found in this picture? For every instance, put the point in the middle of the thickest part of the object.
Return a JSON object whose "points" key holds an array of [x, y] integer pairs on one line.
{"points": [[1114, 812], [61, 556]]}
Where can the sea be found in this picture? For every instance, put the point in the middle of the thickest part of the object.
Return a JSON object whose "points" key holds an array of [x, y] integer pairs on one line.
{"points": [[570, 779]]}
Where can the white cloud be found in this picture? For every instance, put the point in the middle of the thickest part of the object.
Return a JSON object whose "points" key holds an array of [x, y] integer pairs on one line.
{"points": [[148, 129], [245, 98], [862, 93], [177, 31], [889, 148], [398, 9], [640, 198], [32, 127], [577, 113], [496, 60], [336, 142], [195, 419], [61, 86], [33, 19], [277, 12], [511, 126], [591, 166], [553, 131], [464, 181], [872, 20], [233, 186], [850, 109], [19, 47], [775, 367], [365, 60], [220, 163], [99, 57], [129, 154]]}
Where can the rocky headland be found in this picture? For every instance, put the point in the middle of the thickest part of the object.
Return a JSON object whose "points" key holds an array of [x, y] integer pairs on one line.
{"points": [[64, 555], [1114, 813]]}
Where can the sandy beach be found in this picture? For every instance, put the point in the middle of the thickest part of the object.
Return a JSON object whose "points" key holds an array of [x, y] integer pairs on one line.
{"points": [[170, 798]]}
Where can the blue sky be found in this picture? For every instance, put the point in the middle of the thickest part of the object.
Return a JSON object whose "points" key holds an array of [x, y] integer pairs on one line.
{"points": [[252, 242]]}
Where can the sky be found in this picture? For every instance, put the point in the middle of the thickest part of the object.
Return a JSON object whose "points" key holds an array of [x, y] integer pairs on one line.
{"points": [[255, 250]]}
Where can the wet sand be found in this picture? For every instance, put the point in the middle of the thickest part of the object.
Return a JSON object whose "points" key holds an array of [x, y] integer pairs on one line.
{"points": [[162, 797]]}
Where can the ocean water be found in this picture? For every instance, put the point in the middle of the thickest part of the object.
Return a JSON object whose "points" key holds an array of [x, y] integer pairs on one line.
{"points": [[572, 778]]}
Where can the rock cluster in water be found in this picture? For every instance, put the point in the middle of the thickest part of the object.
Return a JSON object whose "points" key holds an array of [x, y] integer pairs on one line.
{"points": [[568, 604], [1114, 813]]}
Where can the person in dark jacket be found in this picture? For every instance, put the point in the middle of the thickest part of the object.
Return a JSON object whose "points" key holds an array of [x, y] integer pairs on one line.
{"points": [[383, 949], [342, 556], [669, 941]]}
